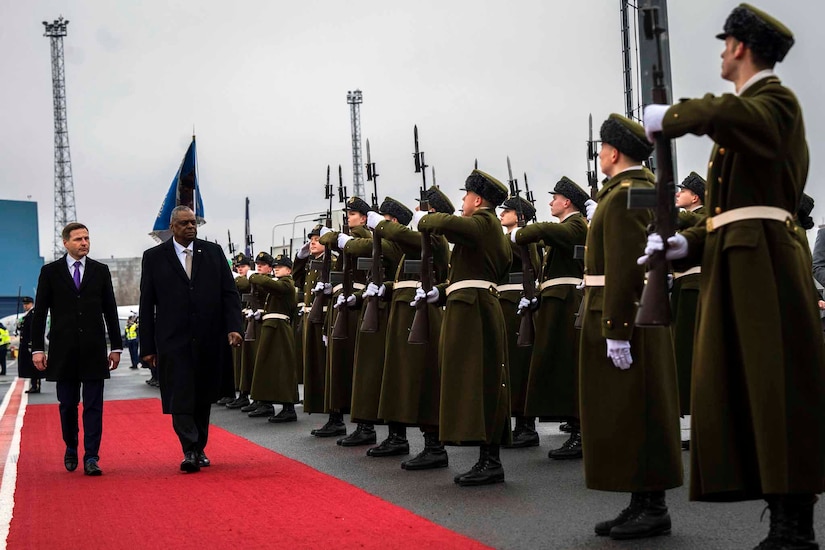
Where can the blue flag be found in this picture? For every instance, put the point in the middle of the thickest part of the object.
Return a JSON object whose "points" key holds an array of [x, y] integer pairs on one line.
{"points": [[184, 191]]}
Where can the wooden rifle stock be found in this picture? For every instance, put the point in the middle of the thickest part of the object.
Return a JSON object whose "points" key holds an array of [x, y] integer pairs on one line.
{"points": [[254, 305], [340, 330], [654, 306], [316, 313], [420, 328], [527, 328], [369, 322]]}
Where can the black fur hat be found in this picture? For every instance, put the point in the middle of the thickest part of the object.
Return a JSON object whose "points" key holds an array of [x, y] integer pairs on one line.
{"points": [[439, 200], [568, 188], [396, 210], [486, 186], [527, 207], [627, 136], [766, 36], [696, 183]]}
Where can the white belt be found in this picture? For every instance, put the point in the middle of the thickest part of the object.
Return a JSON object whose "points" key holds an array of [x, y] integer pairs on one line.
{"points": [[748, 213], [509, 287], [471, 283], [307, 309], [301, 305], [594, 280], [560, 281], [281, 316], [406, 284], [691, 271], [340, 286]]}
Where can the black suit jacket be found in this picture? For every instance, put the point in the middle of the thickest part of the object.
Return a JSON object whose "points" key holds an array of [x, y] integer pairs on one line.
{"points": [[77, 335], [186, 322]]}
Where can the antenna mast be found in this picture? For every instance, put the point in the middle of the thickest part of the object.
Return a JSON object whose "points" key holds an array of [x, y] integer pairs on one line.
{"points": [[64, 204], [354, 99]]}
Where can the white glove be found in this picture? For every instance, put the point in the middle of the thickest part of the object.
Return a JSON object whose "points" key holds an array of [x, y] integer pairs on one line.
{"points": [[619, 352], [258, 314], [248, 313], [325, 230], [373, 219], [431, 296], [654, 115], [524, 304], [250, 273], [417, 216], [342, 240], [304, 252], [374, 290], [321, 286], [677, 247], [324, 338], [590, 208], [350, 300], [513, 234], [581, 285]]}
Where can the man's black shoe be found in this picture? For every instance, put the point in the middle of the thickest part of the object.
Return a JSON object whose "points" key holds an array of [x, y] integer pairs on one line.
{"points": [[70, 460], [284, 416], [133, 367], [392, 446], [203, 460], [35, 389], [363, 435], [650, 521], [566, 427], [428, 459], [570, 449], [225, 400], [525, 438], [251, 407], [330, 429], [264, 409], [151, 381], [90, 468], [190, 462], [241, 401], [486, 471], [637, 503]]}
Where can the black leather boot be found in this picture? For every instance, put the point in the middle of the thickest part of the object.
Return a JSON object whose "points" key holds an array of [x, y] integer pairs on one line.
{"points": [[225, 400], [486, 471], [651, 521], [241, 401], [791, 523], [334, 426], [364, 434], [525, 434], [637, 502], [264, 409], [251, 407], [287, 414], [570, 449], [433, 456], [396, 443]]}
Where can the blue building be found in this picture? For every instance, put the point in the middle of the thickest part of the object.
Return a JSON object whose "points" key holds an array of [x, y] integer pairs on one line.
{"points": [[20, 245]]}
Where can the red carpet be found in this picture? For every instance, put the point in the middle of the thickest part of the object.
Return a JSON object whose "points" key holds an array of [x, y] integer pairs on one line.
{"points": [[143, 501]]}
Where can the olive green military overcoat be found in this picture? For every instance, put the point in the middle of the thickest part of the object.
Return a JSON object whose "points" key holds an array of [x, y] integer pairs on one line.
{"points": [[629, 418], [475, 382], [249, 348], [275, 377], [758, 395], [553, 384]]}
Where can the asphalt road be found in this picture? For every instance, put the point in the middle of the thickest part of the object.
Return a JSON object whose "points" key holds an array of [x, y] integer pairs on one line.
{"points": [[542, 504]]}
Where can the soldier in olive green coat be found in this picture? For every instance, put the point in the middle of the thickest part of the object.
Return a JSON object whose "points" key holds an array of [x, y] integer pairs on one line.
{"points": [[243, 264], [276, 380], [410, 386], [475, 382], [253, 325], [553, 385], [627, 375], [758, 401], [524, 433]]}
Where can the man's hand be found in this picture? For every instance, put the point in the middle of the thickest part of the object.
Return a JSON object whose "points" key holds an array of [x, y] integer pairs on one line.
{"points": [[325, 230], [418, 215], [619, 352], [303, 252], [513, 234], [373, 219], [235, 339], [431, 296], [524, 304], [40, 361], [590, 208], [151, 360], [343, 238], [349, 300], [321, 286], [677, 247], [114, 360], [374, 290], [654, 115]]}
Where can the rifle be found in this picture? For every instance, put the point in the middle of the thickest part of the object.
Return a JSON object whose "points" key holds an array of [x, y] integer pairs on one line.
{"points": [[231, 246], [369, 322], [254, 304], [592, 155], [316, 314], [420, 328], [247, 234], [529, 195], [527, 330], [654, 305], [340, 331]]}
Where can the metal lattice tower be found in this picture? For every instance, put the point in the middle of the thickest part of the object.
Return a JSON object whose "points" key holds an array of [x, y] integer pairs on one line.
{"points": [[354, 99], [64, 205]]}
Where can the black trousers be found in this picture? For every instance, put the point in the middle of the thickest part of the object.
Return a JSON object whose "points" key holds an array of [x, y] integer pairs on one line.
{"points": [[133, 352], [68, 394], [4, 349], [193, 429]]}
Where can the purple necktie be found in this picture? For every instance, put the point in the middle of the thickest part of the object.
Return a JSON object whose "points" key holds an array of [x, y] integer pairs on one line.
{"points": [[77, 275]]}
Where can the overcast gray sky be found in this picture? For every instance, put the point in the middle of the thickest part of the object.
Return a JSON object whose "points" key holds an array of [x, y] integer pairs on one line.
{"points": [[264, 84]]}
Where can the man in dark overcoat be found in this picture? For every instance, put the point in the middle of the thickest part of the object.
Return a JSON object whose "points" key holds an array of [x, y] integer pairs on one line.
{"points": [[190, 313]]}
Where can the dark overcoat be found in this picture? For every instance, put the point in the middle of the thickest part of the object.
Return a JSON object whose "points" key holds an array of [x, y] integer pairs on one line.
{"points": [[475, 382], [758, 395], [553, 385], [80, 320], [629, 418], [186, 322], [25, 366]]}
